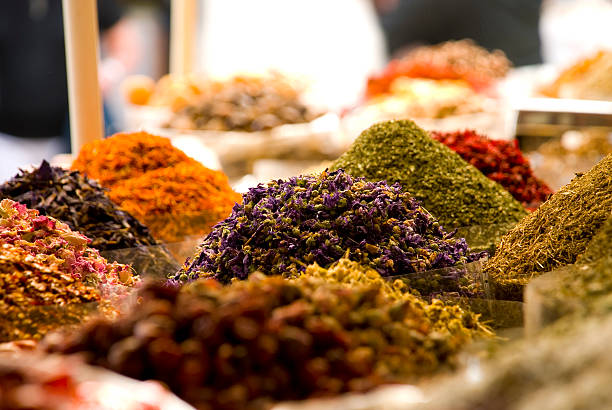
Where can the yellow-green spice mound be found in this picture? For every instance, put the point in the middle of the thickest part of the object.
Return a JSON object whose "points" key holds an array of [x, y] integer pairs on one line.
{"points": [[454, 191], [452, 320], [556, 234]]}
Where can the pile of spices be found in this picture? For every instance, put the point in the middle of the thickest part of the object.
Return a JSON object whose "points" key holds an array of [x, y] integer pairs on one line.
{"points": [[126, 155], [444, 318], [501, 161], [48, 275], [179, 201], [581, 289], [555, 234], [453, 60], [245, 104], [282, 227], [599, 247], [85, 207], [49, 241], [269, 339], [455, 192], [566, 367]]}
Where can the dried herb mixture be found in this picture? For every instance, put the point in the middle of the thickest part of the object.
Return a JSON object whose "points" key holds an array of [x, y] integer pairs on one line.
{"points": [[269, 339], [48, 275], [455, 192], [126, 155], [282, 227], [501, 161], [566, 367], [85, 207], [183, 200], [556, 234]]}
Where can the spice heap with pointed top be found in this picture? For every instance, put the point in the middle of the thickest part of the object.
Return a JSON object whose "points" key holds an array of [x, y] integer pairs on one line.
{"points": [[183, 200], [556, 234], [501, 161], [282, 227], [85, 207], [171, 193], [268, 339], [455, 192], [126, 155], [48, 274]]}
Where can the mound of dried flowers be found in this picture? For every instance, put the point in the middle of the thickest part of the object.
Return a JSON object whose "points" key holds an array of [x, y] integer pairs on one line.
{"points": [[174, 202], [269, 339], [284, 226], [48, 274], [126, 155]]}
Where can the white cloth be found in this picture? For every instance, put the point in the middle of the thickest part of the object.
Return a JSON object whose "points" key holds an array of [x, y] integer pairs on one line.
{"points": [[335, 44]]}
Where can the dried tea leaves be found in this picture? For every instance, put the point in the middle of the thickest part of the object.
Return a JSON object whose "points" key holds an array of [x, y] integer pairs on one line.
{"points": [[555, 234], [85, 207], [268, 339], [455, 192], [282, 227]]}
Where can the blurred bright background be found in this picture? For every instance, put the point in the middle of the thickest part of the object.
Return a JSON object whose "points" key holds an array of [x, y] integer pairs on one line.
{"points": [[329, 47]]}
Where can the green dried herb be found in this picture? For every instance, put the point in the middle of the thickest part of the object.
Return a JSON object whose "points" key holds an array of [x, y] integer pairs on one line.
{"points": [[555, 234], [455, 192], [84, 205], [599, 247], [566, 367]]}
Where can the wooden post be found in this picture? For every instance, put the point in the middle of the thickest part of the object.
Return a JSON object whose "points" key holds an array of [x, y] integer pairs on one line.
{"points": [[81, 39], [183, 16]]}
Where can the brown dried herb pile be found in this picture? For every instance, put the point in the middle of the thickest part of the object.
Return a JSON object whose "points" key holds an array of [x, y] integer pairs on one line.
{"points": [[85, 206], [269, 339], [455, 192], [581, 289], [555, 234], [127, 155]]}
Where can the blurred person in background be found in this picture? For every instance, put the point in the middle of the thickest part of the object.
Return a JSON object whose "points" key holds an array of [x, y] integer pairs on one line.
{"points": [[508, 25], [34, 122]]}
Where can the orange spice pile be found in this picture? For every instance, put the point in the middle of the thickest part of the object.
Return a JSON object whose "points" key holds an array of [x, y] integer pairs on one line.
{"points": [[170, 192], [184, 200], [127, 155]]}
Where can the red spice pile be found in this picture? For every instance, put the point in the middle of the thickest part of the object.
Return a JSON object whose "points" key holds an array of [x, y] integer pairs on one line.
{"points": [[501, 161], [456, 60]]}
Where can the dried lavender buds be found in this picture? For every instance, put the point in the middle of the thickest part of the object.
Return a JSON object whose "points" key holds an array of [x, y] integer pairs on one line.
{"points": [[282, 227], [269, 339], [555, 234], [455, 192]]}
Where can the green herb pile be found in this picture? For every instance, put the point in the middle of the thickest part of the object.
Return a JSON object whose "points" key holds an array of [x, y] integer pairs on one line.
{"points": [[556, 234], [85, 207], [269, 339], [567, 367], [580, 289], [455, 192]]}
